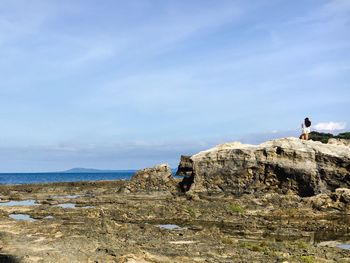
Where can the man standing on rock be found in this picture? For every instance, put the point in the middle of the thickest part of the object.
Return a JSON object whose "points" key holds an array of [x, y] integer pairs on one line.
{"points": [[305, 127]]}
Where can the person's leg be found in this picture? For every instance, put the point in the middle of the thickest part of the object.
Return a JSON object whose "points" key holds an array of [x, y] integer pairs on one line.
{"points": [[306, 136]]}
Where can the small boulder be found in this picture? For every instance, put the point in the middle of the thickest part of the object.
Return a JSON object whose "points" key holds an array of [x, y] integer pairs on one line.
{"points": [[157, 178], [321, 202], [339, 200], [342, 195]]}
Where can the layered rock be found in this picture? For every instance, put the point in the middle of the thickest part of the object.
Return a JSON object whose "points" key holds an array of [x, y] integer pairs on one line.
{"points": [[157, 178], [284, 165]]}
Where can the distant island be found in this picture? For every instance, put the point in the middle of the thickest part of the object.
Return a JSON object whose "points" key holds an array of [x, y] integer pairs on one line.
{"points": [[90, 170]]}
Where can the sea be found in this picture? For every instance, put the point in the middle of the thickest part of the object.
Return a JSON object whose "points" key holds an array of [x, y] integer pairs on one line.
{"points": [[35, 178]]}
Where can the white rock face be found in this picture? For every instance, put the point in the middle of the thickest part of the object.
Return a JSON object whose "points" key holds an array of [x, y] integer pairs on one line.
{"points": [[288, 164]]}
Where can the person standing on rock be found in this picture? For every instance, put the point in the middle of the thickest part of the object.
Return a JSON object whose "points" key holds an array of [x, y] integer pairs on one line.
{"points": [[305, 129]]}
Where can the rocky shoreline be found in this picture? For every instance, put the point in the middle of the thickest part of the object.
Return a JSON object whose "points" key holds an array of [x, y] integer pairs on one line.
{"points": [[236, 203]]}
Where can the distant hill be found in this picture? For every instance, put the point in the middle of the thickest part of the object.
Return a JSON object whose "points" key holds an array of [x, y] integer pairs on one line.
{"points": [[90, 170], [323, 137]]}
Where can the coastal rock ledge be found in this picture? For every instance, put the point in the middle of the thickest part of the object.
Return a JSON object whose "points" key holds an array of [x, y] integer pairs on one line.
{"points": [[286, 165]]}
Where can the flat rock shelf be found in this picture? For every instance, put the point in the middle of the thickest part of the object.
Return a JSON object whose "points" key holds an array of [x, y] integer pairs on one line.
{"points": [[154, 227]]}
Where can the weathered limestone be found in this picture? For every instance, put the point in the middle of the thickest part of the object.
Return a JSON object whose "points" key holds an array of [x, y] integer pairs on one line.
{"points": [[158, 178], [343, 142], [342, 195], [284, 165], [339, 200]]}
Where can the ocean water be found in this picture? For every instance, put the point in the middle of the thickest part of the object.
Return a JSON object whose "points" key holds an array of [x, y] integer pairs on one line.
{"points": [[32, 178]]}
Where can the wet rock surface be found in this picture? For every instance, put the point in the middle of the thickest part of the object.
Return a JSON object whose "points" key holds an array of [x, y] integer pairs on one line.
{"points": [[126, 227]]}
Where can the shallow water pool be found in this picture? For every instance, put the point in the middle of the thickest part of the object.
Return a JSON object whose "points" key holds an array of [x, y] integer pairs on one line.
{"points": [[344, 246], [170, 227], [66, 196], [22, 217], [67, 205], [20, 203]]}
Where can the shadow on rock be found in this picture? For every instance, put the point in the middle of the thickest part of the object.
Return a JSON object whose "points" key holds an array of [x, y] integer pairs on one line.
{"points": [[8, 259]]}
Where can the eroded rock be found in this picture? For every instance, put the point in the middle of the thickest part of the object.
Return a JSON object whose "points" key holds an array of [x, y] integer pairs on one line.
{"points": [[284, 165], [342, 195], [339, 199], [158, 178]]}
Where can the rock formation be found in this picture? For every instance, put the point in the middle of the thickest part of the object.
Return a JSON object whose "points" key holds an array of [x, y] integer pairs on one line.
{"points": [[284, 165], [343, 142], [157, 178]]}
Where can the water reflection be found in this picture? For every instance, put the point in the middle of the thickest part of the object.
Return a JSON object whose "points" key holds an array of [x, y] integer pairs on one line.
{"points": [[344, 246], [22, 217], [67, 205], [66, 196], [170, 227], [20, 203]]}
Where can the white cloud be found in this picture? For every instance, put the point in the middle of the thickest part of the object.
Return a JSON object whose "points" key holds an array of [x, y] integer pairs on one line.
{"points": [[330, 126]]}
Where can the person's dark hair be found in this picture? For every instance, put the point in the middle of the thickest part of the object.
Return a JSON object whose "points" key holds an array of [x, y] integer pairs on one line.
{"points": [[307, 122]]}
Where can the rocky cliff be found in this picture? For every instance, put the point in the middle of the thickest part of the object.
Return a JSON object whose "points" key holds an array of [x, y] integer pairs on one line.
{"points": [[284, 165]]}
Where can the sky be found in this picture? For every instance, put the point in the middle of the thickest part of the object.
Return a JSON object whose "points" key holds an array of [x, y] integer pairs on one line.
{"points": [[130, 84]]}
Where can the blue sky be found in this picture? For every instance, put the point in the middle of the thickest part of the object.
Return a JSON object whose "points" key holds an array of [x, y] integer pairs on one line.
{"points": [[130, 84]]}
